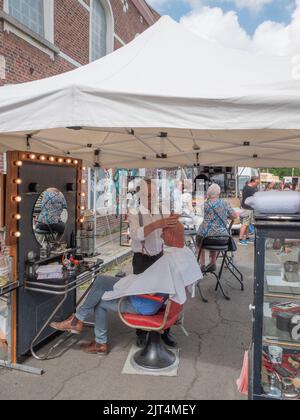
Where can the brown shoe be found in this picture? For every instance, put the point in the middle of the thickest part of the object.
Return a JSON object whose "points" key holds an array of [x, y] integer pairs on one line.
{"points": [[95, 348], [72, 325]]}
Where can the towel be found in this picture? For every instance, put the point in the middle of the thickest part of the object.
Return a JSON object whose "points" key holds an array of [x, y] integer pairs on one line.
{"points": [[51, 271], [176, 271], [243, 381]]}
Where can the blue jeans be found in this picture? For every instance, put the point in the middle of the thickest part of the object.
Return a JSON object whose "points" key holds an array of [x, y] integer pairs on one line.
{"points": [[94, 303]]}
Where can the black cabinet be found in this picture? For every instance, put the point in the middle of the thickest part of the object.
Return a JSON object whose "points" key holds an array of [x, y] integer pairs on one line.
{"points": [[275, 353]]}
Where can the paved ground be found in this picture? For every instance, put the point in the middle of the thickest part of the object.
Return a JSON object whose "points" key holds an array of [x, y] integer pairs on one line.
{"points": [[210, 358]]}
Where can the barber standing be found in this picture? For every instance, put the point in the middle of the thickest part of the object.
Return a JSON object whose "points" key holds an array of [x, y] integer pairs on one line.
{"points": [[145, 227]]}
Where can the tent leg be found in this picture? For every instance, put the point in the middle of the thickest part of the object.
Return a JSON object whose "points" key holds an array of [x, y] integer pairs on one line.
{"points": [[21, 368]]}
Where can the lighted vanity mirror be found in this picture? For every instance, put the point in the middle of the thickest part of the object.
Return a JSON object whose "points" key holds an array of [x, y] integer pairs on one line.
{"points": [[50, 216]]}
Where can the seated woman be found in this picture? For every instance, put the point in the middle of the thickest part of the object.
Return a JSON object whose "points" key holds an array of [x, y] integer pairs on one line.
{"points": [[52, 206], [216, 214], [164, 278]]}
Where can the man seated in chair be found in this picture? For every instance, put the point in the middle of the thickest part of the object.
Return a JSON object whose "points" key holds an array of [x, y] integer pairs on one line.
{"points": [[168, 277]]}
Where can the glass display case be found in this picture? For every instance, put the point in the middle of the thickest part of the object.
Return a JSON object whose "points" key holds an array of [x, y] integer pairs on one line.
{"points": [[275, 355]]}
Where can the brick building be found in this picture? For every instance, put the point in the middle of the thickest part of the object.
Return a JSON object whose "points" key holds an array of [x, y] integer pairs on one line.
{"points": [[42, 38]]}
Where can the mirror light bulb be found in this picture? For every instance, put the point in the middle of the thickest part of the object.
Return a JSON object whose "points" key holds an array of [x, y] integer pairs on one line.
{"points": [[18, 199], [19, 163], [17, 234]]}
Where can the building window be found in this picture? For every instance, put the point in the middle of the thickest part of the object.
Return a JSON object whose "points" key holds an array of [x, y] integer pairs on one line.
{"points": [[99, 31], [30, 13]]}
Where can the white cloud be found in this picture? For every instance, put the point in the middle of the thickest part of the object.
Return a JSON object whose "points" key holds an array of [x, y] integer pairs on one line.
{"points": [[251, 4], [213, 23], [269, 38], [278, 39]]}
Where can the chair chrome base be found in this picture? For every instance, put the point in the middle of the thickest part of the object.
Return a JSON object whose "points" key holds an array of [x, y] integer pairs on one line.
{"points": [[154, 355]]}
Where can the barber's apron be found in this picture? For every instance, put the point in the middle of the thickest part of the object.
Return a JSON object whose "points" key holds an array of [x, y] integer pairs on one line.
{"points": [[141, 260]]}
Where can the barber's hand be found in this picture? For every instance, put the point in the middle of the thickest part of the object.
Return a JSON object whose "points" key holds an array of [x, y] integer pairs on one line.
{"points": [[169, 222]]}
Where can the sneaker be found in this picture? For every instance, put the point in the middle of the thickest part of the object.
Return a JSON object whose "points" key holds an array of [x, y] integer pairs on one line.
{"points": [[243, 242], [250, 240]]}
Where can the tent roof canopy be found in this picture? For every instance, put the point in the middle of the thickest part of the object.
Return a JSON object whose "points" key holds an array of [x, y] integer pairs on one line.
{"points": [[169, 98]]}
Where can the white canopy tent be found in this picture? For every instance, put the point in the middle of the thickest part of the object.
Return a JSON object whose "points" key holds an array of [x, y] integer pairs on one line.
{"points": [[169, 98]]}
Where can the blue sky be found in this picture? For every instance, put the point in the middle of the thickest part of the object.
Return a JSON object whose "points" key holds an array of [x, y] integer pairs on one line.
{"points": [[249, 18], [262, 26]]}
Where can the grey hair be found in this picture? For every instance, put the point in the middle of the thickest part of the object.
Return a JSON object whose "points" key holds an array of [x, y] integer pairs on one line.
{"points": [[213, 191]]}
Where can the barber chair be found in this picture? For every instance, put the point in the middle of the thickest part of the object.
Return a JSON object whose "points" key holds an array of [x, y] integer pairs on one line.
{"points": [[221, 246], [154, 355]]}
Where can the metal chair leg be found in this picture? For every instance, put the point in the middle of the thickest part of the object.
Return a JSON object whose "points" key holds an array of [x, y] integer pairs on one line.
{"points": [[201, 294], [219, 276], [239, 279]]}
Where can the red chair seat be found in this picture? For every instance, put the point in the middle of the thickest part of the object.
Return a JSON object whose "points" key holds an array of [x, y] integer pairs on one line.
{"points": [[154, 321]]}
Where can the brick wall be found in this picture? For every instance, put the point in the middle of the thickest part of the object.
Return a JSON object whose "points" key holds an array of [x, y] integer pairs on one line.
{"points": [[129, 24], [24, 62], [72, 29]]}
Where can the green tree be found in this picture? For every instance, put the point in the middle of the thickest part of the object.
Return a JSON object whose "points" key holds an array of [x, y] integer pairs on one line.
{"points": [[282, 172]]}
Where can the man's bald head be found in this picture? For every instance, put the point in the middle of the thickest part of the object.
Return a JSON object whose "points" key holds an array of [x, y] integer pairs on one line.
{"points": [[174, 237]]}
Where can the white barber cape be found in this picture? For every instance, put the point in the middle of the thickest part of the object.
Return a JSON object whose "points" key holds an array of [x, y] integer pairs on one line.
{"points": [[171, 274]]}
